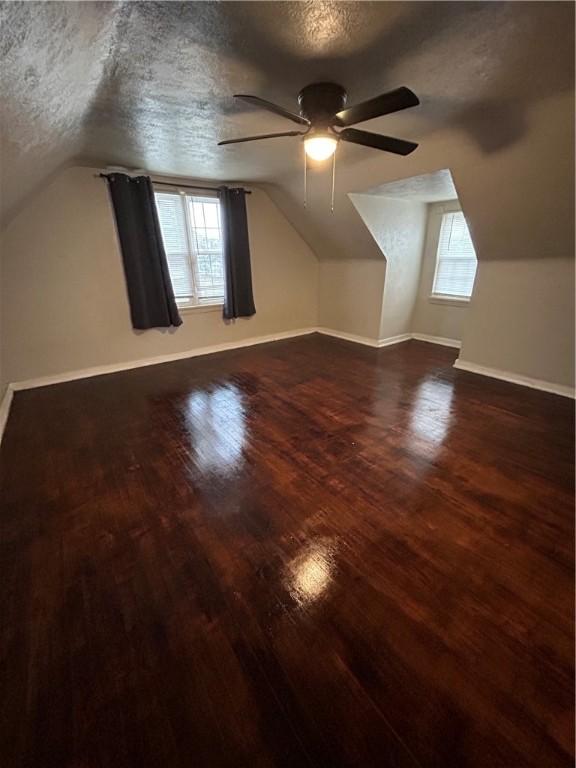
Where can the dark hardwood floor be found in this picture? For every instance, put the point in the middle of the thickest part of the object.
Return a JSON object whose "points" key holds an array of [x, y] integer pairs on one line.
{"points": [[308, 553]]}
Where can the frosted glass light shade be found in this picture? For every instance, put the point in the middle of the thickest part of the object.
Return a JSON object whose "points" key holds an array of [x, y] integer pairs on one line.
{"points": [[320, 147]]}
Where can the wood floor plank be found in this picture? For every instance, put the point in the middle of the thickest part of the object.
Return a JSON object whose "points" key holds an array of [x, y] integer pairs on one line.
{"points": [[307, 553]]}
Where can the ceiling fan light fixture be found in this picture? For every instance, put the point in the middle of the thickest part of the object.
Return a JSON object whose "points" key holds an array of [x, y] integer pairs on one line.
{"points": [[320, 146], [323, 109]]}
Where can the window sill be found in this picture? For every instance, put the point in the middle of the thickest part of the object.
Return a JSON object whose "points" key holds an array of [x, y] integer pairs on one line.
{"points": [[198, 308], [453, 301]]}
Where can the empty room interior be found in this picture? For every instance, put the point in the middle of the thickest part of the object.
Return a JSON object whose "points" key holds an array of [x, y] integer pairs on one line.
{"points": [[287, 384]]}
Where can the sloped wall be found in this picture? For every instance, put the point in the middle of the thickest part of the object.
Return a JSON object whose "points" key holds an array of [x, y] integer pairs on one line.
{"points": [[64, 304]]}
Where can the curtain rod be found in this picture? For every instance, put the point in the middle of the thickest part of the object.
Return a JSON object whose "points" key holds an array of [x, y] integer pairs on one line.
{"points": [[172, 184]]}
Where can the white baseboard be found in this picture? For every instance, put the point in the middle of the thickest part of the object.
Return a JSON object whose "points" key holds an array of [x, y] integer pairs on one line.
{"points": [[84, 373], [394, 340], [365, 340], [443, 341], [101, 370], [515, 378], [5, 408], [378, 343]]}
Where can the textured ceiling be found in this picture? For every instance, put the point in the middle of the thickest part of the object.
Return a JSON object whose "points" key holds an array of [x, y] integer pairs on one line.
{"points": [[148, 85], [428, 188]]}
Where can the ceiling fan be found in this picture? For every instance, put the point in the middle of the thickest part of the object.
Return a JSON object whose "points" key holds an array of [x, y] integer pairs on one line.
{"points": [[323, 110]]}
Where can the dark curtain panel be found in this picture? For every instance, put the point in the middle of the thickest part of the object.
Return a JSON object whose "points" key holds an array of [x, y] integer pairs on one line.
{"points": [[152, 303], [238, 299]]}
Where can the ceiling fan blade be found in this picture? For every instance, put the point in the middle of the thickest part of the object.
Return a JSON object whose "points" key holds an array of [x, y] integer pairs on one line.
{"points": [[263, 136], [258, 102], [375, 140], [393, 101]]}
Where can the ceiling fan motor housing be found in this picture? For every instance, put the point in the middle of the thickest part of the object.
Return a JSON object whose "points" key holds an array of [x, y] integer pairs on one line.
{"points": [[319, 102]]}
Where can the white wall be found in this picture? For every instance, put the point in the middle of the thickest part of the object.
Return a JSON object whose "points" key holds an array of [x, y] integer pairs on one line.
{"points": [[63, 298], [437, 317], [398, 227], [517, 190], [351, 293], [520, 208], [375, 298], [521, 319], [64, 304]]}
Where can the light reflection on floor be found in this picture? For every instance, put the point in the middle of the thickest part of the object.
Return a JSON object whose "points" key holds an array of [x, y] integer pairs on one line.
{"points": [[311, 572], [216, 422], [431, 416]]}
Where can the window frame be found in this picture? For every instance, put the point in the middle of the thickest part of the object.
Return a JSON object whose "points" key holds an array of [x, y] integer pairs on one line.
{"points": [[191, 304], [442, 209]]}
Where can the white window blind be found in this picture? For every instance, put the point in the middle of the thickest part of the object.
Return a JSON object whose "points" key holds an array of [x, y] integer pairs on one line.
{"points": [[192, 238], [455, 258]]}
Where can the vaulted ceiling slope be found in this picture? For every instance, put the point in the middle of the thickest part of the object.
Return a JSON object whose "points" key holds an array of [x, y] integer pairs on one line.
{"points": [[149, 84]]}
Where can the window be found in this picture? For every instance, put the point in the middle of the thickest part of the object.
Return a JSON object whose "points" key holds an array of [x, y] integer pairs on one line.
{"points": [[193, 243], [455, 259]]}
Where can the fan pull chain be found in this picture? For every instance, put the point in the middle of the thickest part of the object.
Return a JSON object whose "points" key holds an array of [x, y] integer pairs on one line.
{"points": [[333, 181], [305, 178]]}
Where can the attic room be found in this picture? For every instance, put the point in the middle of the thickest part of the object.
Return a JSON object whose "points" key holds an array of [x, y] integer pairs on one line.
{"points": [[287, 384]]}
